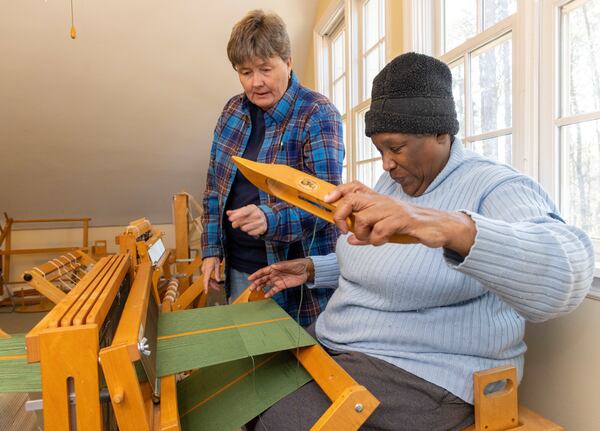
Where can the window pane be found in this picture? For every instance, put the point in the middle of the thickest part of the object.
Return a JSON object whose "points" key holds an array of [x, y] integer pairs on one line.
{"points": [[580, 176], [496, 10], [491, 100], [365, 149], [368, 173], [460, 22], [372, 68], [371, 20], [581, 63], [499, 148], [339, 95], [458, 92], [338, 56]]}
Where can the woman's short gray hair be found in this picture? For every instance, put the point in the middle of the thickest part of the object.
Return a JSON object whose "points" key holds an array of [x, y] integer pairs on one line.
{"points": [[258, 35]]}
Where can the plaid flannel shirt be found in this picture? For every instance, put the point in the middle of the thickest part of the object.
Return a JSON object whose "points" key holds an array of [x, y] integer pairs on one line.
{"points": [[304, 131]]}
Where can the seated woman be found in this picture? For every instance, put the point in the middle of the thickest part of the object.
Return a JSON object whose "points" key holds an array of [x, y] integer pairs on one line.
{"points": [[413, 322]]}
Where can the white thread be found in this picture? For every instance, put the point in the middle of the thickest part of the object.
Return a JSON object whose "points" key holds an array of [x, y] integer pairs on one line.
{"points": [[137, 230], [60, 274], [40, 271], [51, 262]]}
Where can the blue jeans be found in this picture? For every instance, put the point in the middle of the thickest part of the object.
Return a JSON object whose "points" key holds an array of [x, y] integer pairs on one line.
{"points": [[237, 283]]}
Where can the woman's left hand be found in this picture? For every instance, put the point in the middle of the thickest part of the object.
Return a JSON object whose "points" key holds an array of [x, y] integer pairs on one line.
{"points": [[249, 219]]}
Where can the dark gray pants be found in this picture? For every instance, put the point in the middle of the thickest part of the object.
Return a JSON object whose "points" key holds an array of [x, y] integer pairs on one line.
{"points": [[407, 401]]}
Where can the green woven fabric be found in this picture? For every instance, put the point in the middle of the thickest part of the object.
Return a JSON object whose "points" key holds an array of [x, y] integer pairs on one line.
{"points": [[16, 375], [224, 397], [214, 335]]}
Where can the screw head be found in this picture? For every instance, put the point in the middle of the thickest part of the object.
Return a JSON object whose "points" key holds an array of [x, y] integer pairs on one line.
{"points": [[358, 408]]}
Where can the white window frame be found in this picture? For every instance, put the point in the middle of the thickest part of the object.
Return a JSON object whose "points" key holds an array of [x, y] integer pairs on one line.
{"points": [[535, 88], [351, 12]]}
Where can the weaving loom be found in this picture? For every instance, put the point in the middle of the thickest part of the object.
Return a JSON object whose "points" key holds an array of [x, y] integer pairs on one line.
{"points": [[144, 243], [240, 350]]}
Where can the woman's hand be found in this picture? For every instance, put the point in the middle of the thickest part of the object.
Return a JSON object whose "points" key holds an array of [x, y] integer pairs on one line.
{"points": [[210, 266], [283, 275], [249, 219], [377, 217]]}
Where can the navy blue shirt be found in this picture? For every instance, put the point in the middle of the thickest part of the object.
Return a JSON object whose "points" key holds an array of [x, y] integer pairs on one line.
{"points": [[245, 253]]}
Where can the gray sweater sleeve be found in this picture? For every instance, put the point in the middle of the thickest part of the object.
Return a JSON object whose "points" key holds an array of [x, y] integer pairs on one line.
{"points": [[526, 254], [327, 271]]}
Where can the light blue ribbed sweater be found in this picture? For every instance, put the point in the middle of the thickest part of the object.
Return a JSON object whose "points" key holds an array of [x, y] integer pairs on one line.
{"points": [[441, 317]]}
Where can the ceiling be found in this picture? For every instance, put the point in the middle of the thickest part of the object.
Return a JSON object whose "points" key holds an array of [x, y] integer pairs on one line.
{"points": [[111, 124]]}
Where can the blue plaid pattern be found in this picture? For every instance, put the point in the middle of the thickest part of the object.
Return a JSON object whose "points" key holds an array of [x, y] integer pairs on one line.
{"points": [[304, 131]]}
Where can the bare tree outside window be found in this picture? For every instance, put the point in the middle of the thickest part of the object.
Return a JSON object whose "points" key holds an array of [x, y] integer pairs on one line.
{"points": [[580, 140], [460, 22], [483, 97], [458, 92], [496, 10]]}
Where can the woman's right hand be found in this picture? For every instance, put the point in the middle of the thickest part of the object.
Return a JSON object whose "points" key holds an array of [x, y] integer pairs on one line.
{"points": [[283, 275], [211, 265]]}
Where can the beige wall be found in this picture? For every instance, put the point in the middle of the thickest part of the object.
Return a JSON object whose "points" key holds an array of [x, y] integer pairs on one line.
{"points": [[562, 368], [111, 124]]}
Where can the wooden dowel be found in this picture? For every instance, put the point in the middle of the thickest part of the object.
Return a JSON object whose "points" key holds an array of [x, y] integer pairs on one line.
{"points": [[51, 220], [9, 252], [85, 233]]}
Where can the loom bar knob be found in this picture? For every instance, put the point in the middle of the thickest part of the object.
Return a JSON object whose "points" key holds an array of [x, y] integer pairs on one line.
{"points": [[143, 346], [358, 408], [118, 396]]}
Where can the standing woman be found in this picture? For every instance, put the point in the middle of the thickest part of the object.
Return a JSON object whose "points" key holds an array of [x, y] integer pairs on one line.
{"points": [[275, 120]]}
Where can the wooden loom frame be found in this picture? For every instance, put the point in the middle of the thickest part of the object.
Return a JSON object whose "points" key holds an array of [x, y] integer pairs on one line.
{"points": [[40, 278], [8, 251], [351, 405], [130, 241], [66, 343]]}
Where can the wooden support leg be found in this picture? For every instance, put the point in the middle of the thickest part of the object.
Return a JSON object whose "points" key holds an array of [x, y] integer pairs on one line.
{"points": [[349, 411], [182, 242], [125, 393], [169, 414], [70, 353]]}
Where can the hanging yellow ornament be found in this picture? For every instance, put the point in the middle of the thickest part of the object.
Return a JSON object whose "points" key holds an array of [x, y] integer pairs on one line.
{"points": [[73, 30]]}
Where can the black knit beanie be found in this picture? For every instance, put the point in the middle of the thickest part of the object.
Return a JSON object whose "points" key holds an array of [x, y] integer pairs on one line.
{"points": [[412, 94]]}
